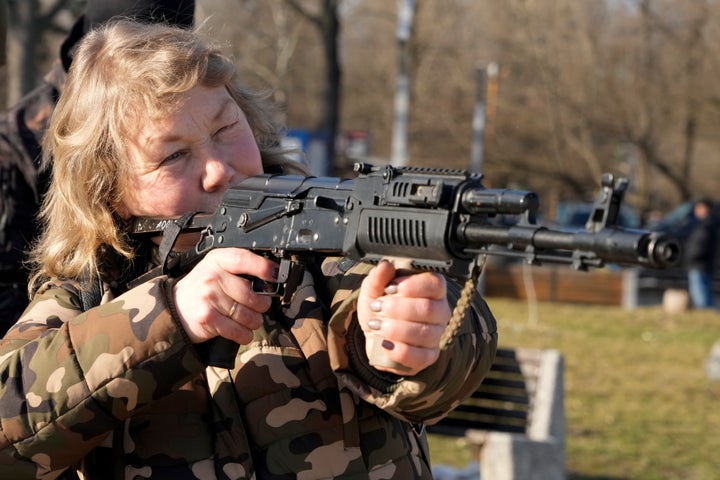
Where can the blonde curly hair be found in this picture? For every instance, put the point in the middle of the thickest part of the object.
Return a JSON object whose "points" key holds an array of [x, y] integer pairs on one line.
{"points": [[122, 72]]}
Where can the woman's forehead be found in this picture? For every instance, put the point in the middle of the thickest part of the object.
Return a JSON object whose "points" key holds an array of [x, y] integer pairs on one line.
{"points": [[200, 106]]}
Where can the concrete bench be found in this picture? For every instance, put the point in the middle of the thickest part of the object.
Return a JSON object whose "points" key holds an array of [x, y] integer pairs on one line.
{"points": [[516, 418]]}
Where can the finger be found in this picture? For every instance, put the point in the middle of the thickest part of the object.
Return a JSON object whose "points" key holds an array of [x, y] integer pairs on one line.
{"points": [[377, 280], [238, 330], [417, 310], [425, 284], [240, 261], [239, 290], [411, 357], [236, 322], [422, 335], [232, 310]]}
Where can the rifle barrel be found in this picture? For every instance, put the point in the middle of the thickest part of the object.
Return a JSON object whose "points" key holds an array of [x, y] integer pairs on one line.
{"points": [[611, 245]]}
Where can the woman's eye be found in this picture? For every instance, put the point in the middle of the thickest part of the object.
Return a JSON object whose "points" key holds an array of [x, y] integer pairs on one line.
{"points": [[227, 128], [173, 156]]}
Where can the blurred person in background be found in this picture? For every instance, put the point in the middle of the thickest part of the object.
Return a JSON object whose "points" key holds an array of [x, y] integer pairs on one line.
{"points": [[22, 184], [700, 252]]}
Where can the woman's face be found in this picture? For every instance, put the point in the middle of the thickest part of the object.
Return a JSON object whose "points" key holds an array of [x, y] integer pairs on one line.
{"points": [[186, 161]]}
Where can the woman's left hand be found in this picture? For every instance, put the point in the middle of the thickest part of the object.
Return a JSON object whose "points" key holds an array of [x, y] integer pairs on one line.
{"points": [[409, 314]]}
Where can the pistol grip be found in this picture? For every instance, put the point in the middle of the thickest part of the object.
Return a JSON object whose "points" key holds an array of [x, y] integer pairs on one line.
{"points": [[403, 266]]}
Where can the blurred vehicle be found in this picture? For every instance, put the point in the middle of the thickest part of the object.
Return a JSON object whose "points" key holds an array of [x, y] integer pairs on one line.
{"points": [[575, 215], [572, 216], [678, 222]]}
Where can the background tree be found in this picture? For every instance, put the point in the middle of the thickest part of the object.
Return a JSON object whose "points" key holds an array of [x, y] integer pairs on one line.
{"points": [[325, 18], [265, 37], [586, 86], [32, 26], [595, 86]]}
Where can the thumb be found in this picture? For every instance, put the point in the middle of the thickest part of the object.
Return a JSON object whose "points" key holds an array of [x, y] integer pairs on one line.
{"points": [[378, 279]]}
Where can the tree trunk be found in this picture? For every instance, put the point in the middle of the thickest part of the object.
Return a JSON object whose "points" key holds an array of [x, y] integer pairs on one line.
{"points": [[22, 42], [331, 34]]}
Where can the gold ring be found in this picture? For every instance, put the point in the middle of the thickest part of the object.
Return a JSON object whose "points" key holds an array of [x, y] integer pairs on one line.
{"points": [[232, 310]]}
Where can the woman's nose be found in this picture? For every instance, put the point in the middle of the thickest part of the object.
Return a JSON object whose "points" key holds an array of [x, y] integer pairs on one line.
{"points": [[217, 173]]}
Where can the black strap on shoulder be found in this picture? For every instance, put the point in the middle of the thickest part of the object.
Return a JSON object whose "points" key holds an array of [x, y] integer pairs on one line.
{"points": [[171, 232], [91, 293], [92, 289]]}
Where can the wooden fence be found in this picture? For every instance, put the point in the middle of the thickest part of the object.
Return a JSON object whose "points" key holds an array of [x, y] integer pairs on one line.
{"points": [[556, 283]]}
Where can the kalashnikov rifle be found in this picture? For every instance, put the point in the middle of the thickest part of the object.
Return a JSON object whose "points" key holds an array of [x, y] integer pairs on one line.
{"points": [[440, 220]]}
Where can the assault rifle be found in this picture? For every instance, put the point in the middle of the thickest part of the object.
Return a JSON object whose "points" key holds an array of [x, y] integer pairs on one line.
{"points": [[439, 220]]}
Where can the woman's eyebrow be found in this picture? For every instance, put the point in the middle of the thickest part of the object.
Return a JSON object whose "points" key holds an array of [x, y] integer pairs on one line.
{"points": [[173, 137]]}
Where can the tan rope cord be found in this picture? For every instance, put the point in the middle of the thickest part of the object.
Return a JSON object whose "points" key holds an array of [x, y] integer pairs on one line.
{"points": [[466, 297]]}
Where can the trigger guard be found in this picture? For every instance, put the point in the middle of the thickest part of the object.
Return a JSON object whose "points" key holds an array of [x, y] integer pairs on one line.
{"points": [[261, 287]]}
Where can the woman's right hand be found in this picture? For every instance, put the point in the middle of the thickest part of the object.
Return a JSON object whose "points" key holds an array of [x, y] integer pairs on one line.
{"points": [[214, 300]]}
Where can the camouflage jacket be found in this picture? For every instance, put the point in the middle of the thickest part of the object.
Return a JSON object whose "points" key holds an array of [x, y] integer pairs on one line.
{"points": [[119, 392]]}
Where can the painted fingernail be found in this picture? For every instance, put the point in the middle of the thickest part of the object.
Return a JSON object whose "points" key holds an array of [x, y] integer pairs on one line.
{"points": [[391, 289], [387, 345], [374, 324], [376, 305], [275, 273]]}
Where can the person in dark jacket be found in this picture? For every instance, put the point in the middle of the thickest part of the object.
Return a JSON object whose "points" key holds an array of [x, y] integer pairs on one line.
{"points": [[22, 184], [700, 250]]}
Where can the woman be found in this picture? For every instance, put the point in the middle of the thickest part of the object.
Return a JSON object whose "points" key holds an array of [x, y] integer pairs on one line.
{"points": [[153, 122]]}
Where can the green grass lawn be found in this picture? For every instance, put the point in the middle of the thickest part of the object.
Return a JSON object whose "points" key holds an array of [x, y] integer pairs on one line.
{"points": [[638, 403]]}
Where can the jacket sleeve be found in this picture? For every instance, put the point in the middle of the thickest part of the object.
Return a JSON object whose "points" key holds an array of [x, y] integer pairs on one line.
{"points": [[431, 394], [698, 244], [71, 377]]}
